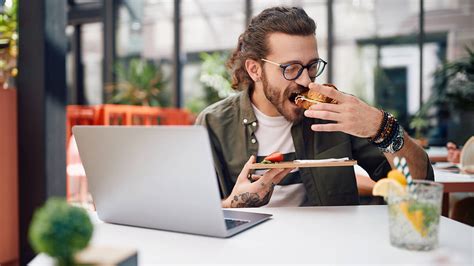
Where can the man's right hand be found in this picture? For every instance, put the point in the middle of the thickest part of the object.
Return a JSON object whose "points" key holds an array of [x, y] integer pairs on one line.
{"points": [[254, 194]]}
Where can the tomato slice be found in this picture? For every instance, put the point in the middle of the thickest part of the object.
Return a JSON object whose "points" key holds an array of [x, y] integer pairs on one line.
{"points": [[275, 157]]}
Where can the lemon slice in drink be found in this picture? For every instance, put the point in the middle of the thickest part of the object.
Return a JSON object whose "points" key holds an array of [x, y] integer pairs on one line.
{"points": [[382, 187], [415, 217], [398, 176]]}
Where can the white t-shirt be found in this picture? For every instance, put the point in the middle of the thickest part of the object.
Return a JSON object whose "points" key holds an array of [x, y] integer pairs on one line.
{"points": [[274, 134]]}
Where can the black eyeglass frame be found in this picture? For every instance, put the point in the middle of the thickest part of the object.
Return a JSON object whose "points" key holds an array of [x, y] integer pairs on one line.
{"points": [[300, 71]]}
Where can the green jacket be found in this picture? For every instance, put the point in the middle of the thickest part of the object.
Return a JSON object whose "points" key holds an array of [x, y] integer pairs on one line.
{"points": [[231, 124]]}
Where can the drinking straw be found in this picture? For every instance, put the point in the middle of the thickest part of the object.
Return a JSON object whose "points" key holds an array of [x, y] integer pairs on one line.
{"points": [[406, 171]]}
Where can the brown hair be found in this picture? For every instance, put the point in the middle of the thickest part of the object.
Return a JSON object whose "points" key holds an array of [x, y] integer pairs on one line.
{"points": [[253, 42]]}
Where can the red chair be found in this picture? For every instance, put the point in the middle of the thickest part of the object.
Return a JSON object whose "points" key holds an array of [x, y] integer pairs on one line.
{"points": [[175, 116], [80, 115], [145, 115], [114, 114]]}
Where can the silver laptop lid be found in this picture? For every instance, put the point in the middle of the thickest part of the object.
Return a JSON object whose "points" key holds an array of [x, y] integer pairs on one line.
{"points": [[158, 177]]}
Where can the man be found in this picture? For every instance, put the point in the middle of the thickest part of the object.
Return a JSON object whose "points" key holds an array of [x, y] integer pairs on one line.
{"points": [[276, 58]]}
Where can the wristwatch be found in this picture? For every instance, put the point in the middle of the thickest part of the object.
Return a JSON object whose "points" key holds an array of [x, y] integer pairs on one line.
{"points": [[397, 142]]}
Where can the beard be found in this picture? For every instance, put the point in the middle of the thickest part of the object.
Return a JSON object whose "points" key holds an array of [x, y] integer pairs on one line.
{"points": [[280, 98]]}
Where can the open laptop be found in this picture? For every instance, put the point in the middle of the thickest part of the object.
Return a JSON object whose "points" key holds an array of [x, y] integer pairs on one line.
{"points": [[158, 177]]}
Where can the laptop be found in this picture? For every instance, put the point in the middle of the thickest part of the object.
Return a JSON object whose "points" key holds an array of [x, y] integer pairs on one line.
{"points": [[159, 177]]}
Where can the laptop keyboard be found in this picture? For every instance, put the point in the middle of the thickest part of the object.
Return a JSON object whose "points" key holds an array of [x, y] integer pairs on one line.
{"points": [[231, 223]]}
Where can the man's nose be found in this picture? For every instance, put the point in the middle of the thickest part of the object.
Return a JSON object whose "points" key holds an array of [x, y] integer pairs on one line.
{"points": [[304, 78]]}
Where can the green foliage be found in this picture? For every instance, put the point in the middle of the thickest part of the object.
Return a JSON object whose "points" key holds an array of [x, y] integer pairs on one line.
{"points": [[215, 79], [420, 121], [8, 23], [454, 82], [419, 124], [139, 83], [453, 86], [8, 44], [214, 74], [60, 230]]}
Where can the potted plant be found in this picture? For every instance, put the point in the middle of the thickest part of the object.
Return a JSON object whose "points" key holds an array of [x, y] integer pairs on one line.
{"points": [[60, 230], [454, 89], [140, 82], [8, 134], [420, 122]]}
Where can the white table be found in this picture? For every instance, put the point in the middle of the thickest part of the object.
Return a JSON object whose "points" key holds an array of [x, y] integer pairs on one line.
{"points": [[437, 154], [453, 183], [352, 234]]}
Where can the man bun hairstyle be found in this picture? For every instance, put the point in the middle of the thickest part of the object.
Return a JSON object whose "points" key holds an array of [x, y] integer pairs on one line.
{"points": [[253, 44]]}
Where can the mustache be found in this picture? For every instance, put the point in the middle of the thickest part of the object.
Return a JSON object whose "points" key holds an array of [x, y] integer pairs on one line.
{"points": [[298, 89]]}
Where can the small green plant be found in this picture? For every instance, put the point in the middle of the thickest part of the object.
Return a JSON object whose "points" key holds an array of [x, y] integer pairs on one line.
{"points": [[420, 124], [139, 83], [60, 230]]}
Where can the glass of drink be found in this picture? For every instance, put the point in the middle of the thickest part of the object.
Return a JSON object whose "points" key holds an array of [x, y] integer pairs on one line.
{"points": [[414, 215]]}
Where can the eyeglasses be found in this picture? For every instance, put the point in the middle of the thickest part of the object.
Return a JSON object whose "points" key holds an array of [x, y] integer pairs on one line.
{"points": [[293, 71]]}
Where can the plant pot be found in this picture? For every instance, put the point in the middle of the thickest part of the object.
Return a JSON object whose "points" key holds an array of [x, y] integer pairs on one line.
{"points": [[423, 142], [8, 177]]}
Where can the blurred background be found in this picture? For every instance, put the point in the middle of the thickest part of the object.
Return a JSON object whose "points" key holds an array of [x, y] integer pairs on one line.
{"points": [[386, 52], [147, 62]]}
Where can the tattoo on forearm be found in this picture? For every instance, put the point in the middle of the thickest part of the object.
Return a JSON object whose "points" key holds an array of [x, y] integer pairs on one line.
{"points": [[248, 199]]}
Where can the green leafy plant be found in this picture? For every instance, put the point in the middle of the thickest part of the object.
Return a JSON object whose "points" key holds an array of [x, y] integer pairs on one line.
{"points": [[453, 87], [215, 80], [420, 122], [8, 44], [454, 82], [60, 230], [214, 73], [139, 83]]}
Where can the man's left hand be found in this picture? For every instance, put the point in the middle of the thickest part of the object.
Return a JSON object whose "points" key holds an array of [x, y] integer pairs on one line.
{"points": [[350, 114]]}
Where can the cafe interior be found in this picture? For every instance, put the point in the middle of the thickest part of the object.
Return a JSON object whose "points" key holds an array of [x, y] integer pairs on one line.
{"points": [[160, 63]]}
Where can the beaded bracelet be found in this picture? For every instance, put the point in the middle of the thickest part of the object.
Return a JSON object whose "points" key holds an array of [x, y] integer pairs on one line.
{"points": [[377, 136], [387, 130], [391, 137]]}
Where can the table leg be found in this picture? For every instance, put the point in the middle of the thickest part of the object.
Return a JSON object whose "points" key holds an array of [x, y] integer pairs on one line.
{"points": [[445, 205]]}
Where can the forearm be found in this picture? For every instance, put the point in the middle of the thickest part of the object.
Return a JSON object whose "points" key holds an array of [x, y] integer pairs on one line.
{"points": [[364, 185], [415, 156], [225, 203]]}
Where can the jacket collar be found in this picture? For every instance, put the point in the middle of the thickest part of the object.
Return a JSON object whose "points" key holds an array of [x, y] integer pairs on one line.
{"points": [[247, 115]]}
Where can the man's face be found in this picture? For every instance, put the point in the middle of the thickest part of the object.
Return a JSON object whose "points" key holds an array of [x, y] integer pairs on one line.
{"points": [[280, 92]]}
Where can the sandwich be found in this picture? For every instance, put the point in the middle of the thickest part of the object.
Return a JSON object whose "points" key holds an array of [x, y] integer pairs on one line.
{"points": [[310, 97]]}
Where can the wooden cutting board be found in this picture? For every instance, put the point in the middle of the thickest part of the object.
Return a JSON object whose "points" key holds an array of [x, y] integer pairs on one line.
{"points": [[302, 164]]}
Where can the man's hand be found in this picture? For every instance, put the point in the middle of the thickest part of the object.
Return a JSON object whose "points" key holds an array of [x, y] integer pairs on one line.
{"points": [[350, 115], [254, 194], [359, 119]]}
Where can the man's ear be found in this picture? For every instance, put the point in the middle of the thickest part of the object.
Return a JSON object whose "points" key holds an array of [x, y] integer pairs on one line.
{"points": [[254, 69]]}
